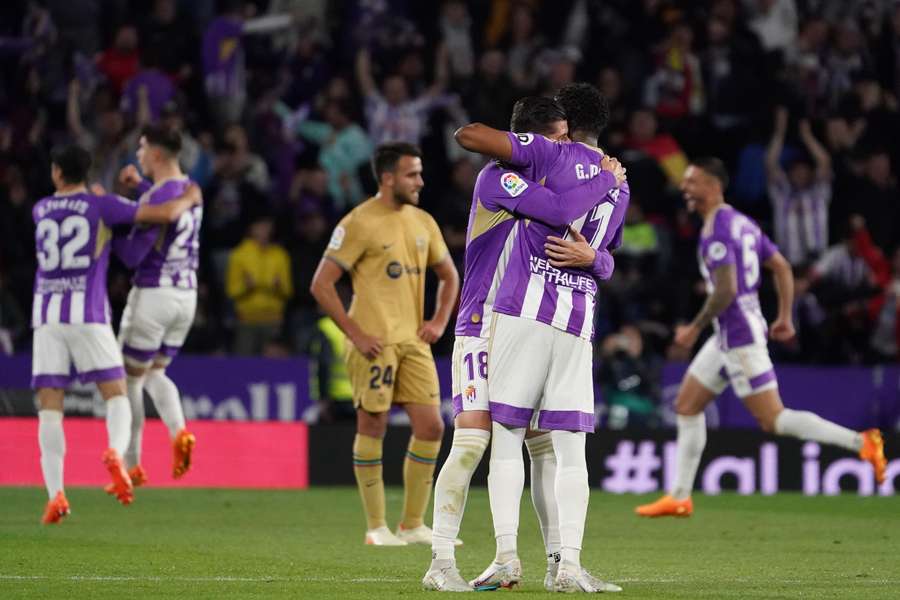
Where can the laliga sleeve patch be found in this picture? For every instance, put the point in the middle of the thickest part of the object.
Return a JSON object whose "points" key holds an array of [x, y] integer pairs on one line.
{"points": [[525, 138], [513, 184], [337, 238], [717, 251]]}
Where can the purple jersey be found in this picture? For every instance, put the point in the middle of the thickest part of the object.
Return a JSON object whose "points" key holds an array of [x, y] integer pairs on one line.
{"points": [[531, 287], [731, 238], [499, 198], [165, 255], [223, 57], [72, 234]]}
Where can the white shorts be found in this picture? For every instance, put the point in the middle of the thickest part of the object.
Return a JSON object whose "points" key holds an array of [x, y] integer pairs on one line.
{"points": [[90, 347], [469, 374], [540, 376], [155, 324], [748, 368]]}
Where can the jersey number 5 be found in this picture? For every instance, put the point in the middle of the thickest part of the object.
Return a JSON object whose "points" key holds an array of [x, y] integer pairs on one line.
{"points": [[751, 260]]}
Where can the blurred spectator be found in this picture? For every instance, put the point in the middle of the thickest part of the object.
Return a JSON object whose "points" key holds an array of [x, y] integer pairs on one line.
{"points": [[876, 199], [675, 89], [121, 61], [801, 196], [629, 380], [456, 25], [391, 114], [149, 85], [523, 43], [454, 207], [329, 383], [224, 72], [343, 148], [12, 321], [490, 95], [171, 36], [662, 147], [259, 283]]}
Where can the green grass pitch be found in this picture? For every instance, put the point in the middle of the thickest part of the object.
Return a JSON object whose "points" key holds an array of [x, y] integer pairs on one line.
{"points": [[193, 544]]}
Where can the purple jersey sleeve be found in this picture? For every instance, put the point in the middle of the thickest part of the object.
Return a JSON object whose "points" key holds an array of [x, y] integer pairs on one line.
{"points": [[526, 198], [116, 210], [143, 187], [530, 150], [133, 248], [767, 247], [718, 250], [604, 265]]}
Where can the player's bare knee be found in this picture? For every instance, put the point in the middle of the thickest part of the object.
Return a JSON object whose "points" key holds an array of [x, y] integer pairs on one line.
{"points": [[134, 370], [371, 424], [112, 388], [50, 398], [431, 430]]}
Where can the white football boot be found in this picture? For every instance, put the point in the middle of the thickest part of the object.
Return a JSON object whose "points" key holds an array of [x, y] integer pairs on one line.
{"points": [[497, 575], [572, 578], [382, 536], [445, 578], [419, 535]]}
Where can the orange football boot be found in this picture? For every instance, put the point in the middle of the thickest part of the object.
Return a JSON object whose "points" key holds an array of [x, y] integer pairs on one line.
{"points": [[138, 478], [873, 451], [182, 448], [56, 509], [667, 506], [122, 488]]}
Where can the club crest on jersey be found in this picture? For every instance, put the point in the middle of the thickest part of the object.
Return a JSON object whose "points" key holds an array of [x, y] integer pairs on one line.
{"points": [[525, 138], [469, 393], [337, 238], [717, 251], [513, 184]]}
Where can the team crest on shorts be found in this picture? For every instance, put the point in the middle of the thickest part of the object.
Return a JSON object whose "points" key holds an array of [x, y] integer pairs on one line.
{"points": [[469, 393]]}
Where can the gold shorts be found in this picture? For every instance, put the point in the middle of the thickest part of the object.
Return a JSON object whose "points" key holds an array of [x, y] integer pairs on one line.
{"points": [[403, 373]]}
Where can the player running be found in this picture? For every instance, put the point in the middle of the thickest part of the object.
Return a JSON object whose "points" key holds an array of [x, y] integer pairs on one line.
{"points": [[541, 354], [501, 196], [731, 251], [386, 243], [162, 300], [71, 315]]}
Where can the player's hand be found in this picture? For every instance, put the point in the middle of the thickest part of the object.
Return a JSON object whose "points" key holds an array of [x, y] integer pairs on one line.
{"points": [[368, 345], [97, 189], [609, 163], [686, 336], [431, 331], [570, 253], [782, 330], [129, 176]]}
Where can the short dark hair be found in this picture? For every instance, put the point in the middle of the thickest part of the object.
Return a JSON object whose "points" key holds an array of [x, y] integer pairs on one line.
{"points": [[73, 161], [586, 108], [167, 138], [714, 168], [387, 155], [535, 114]]}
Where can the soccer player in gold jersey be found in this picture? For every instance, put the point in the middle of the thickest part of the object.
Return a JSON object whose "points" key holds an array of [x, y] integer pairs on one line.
{"points": [[385, 244]]}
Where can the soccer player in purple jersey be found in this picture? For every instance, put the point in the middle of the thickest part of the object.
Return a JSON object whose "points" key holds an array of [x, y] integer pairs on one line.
{"points": [[163, 298], [500, 199], [731, 251], [71, 316], [541, 354]]}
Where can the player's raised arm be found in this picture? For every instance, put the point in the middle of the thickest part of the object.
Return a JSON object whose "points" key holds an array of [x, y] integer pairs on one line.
{"points": [[481, 139], [776, 143], [324, 291], [448, 287], [168, 212]]}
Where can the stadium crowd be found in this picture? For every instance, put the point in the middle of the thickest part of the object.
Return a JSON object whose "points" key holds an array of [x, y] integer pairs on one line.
{"points": [[281, 102]]}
